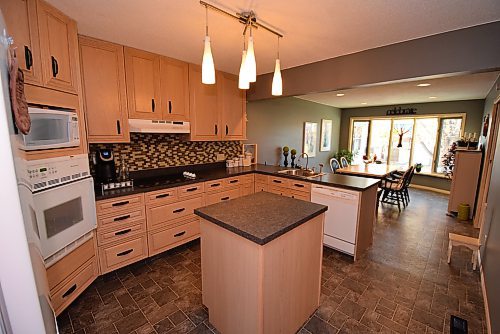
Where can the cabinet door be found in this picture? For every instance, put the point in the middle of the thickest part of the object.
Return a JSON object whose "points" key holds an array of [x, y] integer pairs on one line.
{"points": [[143, 84], [59, 48], [22, 24], [105, 97], [233, 116], [174, 89], [204, 107]]}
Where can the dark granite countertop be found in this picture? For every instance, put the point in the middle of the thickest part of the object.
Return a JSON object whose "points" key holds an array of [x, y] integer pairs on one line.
{"points": [[261, 217], [162, 178]]}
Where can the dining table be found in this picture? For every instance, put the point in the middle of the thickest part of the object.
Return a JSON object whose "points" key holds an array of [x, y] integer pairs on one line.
{"points": [[374, 170]]}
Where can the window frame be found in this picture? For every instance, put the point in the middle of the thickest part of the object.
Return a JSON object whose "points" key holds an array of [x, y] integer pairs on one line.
{"points": [[440, 118]]}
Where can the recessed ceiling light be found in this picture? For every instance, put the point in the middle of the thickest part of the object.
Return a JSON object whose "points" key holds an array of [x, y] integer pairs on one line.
{"points": [[364, 103], [423, 85], [340, 94], [432, 97]]}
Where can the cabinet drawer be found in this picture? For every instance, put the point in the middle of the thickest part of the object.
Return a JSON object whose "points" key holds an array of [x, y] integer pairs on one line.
{"points": [[305, 196], [162, 240], [117, 256], [300, 185], [214, 186], [259, 178], [248, 178], [191, 190], [222, 196], [279, 181], [119, 204], [66, 266], [232, 181], [124, 232], [247, 189], [279, 190], [166, 214], [161, 196], [62, 297], [260, 187], [117, 221]]}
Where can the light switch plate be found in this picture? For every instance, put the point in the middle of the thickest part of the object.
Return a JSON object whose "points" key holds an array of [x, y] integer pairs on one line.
{"points": [[221, 157]]}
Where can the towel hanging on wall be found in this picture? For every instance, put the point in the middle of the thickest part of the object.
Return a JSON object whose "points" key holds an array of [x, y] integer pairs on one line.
{"points": [[17, 97]]}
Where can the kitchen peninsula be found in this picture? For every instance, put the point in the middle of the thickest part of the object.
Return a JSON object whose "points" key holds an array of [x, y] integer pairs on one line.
{"points": [[261, 262]]}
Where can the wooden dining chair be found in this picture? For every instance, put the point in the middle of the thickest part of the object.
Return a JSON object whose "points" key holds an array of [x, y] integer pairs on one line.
{"points": [[394, 189], [343, 162], [334, 164]]}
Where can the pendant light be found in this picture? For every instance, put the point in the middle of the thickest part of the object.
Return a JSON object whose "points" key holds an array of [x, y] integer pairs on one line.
{"points": [[250, 64], [207, 65], [243, 82], [277, 87]]}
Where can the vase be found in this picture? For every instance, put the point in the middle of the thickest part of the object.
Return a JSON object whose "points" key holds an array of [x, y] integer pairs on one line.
{"points": [[293, 161], [285, 163]]}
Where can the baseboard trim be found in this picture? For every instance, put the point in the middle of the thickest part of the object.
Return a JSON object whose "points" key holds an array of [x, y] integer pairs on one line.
{"points": [[485, 297], [441, 191]]}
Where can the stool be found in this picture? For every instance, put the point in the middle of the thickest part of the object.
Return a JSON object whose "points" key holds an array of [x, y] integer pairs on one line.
{"points": [[462, 240]]}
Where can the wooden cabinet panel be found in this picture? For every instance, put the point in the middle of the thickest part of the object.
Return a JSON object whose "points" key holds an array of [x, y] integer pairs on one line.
{"points": [[22, 24], [247, 189], [279, 181], [118, 234], [119, 204], [191, 190], [168, 214], [300, 185], [233, 112], [232, 181], [174, 89], [260, 186], [59, 48], [222, 196], [117, 256], [279, 190], [164, 239], [160, 197], [204, 107], [305, 196], [121, 219], [105, 96], [214, 186], [259, 178], [143, 84]]}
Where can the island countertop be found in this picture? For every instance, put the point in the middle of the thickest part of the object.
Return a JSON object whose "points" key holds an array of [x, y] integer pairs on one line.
{"points": [[261, 217]]}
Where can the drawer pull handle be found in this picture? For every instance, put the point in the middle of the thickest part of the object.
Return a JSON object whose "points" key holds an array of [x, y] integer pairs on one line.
{"points": [[224, 198], [55, 66], [125, 252], [28, 57], [215, 185], [123, 232], [192, 189], [233, 181], [70, 291], [180, 234], [120, 203], [162, 195], [276, 181], [121, 218], [179, 210], [298, 185]]}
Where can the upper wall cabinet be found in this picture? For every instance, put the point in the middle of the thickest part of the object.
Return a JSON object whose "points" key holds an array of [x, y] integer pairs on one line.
{"points": [[143, 84], [104, 91], [58, 48], [22, 24], [174, 89], [233, 113]]}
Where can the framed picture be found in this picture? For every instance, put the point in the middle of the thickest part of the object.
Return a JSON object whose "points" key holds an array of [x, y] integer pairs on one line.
{"points": [[325, 143], [310, 138]]}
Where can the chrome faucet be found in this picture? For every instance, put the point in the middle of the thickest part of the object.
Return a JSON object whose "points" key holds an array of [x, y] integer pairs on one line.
{"points": [[307, 158]]}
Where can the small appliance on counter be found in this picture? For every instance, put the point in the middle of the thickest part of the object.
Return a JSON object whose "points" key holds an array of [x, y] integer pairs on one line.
{"points": [[105, 169]]}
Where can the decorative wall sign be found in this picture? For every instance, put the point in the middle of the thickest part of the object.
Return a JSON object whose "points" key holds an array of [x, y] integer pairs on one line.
{"points": [[401, 111], [325, 143], [310, 138]]}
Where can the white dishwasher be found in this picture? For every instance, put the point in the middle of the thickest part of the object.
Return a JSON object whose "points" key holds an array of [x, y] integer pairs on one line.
{"points": [[341, 219]]}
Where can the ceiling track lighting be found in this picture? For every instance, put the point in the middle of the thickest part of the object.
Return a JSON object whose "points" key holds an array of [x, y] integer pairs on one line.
{"points": [[248, 67]]}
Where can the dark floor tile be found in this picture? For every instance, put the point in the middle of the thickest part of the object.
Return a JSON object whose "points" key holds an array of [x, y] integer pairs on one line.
{"points": [[183, 327], [145, 329], [105, 287], [177, 317], [82, 321], [354, 285], [338, 319], [353, 327], [352, 309], [164, 296], [189, 302], [396, 327], [127, 303], [155, 313], [402, 315], [317, 326], [428, 319], [370, 320], [326, 308], [197, 316], [163, 326], [130, 322], [201, 329]]}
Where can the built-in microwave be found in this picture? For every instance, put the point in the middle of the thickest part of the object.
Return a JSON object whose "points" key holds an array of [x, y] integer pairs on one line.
{"points": [[51, 128]]}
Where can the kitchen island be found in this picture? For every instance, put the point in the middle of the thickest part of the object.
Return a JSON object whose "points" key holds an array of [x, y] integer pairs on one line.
{"points": [[261, 262]]}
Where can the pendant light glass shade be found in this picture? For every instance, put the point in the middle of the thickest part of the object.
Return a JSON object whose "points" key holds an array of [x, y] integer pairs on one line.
{"points": [[250, 65], [243, 82], [207, 66], [277, 88]]}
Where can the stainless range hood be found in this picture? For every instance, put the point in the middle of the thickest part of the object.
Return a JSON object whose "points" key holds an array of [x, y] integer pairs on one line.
{"points": [[156, 126]]}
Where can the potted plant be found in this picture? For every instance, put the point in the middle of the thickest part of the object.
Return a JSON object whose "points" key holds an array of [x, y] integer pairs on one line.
{"points": [[418, 167], [343, 153]]}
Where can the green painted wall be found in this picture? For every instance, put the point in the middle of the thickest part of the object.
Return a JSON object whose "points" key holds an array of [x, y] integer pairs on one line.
{"points": [[275, 123]]}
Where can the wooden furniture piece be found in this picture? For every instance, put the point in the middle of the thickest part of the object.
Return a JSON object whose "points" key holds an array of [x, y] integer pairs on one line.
{"points": [[104, 91], [233, 114], [395, 190], [72, 274], [378, 171], [283, 186], [174, 88], [465, 180], [473, 244], [253, 280]]}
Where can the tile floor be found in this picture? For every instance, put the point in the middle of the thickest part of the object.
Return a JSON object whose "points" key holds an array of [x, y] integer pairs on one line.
{"points": [[402, 285]]}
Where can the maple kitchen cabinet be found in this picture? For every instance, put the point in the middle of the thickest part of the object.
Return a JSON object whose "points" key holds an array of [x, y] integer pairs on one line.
{"points": [[174, 89], [104, 91], [233, 113]]}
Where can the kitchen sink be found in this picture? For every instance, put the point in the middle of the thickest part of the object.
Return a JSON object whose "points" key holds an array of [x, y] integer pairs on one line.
{"points": [[301, 173]]}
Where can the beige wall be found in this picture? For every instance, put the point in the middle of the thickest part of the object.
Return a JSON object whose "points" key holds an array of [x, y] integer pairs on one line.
{"points": [[275, 123]]}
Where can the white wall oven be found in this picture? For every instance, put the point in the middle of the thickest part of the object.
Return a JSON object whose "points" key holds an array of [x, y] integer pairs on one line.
{"points": [[51, 128], [63, 208]]}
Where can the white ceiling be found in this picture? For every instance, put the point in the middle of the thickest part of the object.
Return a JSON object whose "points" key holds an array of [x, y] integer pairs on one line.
{"points": [[314, 30], [452, 88]]}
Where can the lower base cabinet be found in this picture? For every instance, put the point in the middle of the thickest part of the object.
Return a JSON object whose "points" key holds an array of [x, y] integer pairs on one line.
{"points": [[168, 238], [123, 253]]}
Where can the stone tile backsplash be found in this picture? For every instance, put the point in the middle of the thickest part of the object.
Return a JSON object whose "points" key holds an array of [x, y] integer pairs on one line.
{"points": [[148, 150]]}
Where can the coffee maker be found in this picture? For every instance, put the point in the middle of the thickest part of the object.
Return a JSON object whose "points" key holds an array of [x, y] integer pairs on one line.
{"points": [[105, 166]]}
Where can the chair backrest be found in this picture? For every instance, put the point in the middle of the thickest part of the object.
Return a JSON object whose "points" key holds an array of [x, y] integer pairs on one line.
{"points": [[334, 164], [343, 162], [410, 175]]}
